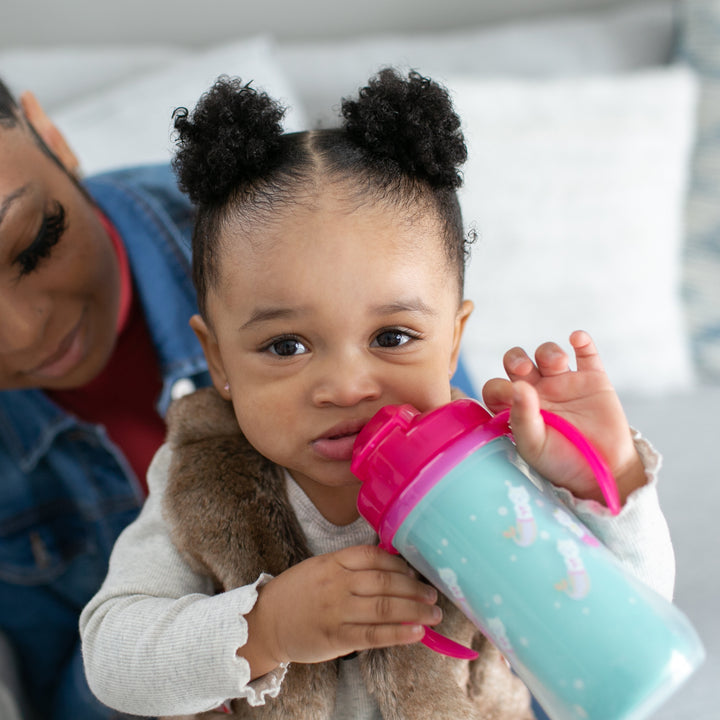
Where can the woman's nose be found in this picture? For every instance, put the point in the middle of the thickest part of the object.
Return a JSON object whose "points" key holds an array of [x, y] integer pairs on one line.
{"points": [[345, 381]]}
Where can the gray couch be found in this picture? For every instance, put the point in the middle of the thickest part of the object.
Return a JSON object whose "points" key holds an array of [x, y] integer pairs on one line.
{"points": [[686, 428], [126, 92]]}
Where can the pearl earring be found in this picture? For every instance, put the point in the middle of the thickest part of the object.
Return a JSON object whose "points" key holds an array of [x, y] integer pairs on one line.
{"points": [[227, 387]]}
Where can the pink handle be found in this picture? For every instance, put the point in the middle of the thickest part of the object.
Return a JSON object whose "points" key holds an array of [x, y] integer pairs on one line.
{"points": [[600, 468], [374, 508], [445, 646], [606, 481]]}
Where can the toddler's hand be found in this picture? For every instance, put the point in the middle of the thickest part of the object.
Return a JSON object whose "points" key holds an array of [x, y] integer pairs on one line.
{"points": [[584, 397], [330, 605]]}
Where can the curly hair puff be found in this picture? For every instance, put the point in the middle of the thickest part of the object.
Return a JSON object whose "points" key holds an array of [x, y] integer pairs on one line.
{"points": [[401, 142], [410, 122]]}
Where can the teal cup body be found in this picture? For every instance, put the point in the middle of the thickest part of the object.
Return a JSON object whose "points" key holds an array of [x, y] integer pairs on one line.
{"points": [[590, 640]]}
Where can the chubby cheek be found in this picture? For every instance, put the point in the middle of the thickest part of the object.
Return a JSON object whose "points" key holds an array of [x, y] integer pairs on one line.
{"points": [[432, 397], [424, 391], [269, 421]]}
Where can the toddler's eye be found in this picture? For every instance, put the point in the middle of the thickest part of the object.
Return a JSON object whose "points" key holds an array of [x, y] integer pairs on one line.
{"points": [[392, 338], [287, 347]]}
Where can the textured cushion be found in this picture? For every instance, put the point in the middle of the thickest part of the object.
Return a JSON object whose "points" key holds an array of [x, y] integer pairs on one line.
{"points": [[130, 122], [81, 70], [576, 189], [608, 40], [699, 46]]}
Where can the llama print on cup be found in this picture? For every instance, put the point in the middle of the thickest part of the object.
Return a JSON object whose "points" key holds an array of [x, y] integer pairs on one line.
{"points": [[498, 636], [577, 583], [524, 532], [450, 579], [580, 532]]}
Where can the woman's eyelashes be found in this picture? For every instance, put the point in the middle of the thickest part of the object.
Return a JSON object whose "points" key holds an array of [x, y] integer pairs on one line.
{"points": [[51, 231]]}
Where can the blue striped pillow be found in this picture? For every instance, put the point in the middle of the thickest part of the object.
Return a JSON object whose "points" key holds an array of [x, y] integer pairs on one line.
{"points": [[699, 47]]}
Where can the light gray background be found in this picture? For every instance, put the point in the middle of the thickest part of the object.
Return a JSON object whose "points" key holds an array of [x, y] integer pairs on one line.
{"points": [[685, 428], [200, 22]]}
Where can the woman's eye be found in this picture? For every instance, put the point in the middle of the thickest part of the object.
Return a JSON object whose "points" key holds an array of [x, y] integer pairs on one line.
{"points": [[52, 229], [287, 347], [392, 338]]}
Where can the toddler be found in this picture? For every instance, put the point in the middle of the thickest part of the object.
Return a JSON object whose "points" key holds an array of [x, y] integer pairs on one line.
{"points": [[329, 271]]}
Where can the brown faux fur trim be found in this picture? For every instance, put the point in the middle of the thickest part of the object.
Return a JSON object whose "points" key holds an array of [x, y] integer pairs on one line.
{"points": [[228, 513]]}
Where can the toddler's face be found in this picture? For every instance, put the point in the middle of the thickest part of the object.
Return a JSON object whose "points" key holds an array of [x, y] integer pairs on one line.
{"points": [[332, 314]]}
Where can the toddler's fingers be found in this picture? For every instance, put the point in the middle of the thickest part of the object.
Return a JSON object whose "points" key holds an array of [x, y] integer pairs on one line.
{"points": [[375, 583], [551, 359], [364, 637], [586, 354], [384, 610], [519, 366], [371, 557], [497, 394], [529, 429]]}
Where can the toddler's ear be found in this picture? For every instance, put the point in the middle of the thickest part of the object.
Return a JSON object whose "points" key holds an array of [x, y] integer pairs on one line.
{"points": [[212, 354], [49, 133], [463, 313]]}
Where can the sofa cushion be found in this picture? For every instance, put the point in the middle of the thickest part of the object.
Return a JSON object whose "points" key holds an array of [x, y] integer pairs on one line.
{"points": [[130, 122], [699, 46], [608, 40], [576, 189]]}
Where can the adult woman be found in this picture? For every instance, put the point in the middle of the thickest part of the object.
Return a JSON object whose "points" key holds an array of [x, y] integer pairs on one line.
{"points": [[95, 297]]}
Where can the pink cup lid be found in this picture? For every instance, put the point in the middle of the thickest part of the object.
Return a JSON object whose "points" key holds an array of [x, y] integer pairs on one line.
{"points": [[399, 442]]}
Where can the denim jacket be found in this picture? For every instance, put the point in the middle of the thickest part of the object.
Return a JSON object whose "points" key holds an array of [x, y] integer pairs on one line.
{"points": [[66, 491]]}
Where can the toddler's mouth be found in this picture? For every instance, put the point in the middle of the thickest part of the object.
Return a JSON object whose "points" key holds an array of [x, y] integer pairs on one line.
{"points": [[337, 443]]}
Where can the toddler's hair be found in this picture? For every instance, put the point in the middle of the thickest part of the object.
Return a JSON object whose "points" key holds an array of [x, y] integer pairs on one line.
{"points": [[400, 143]]}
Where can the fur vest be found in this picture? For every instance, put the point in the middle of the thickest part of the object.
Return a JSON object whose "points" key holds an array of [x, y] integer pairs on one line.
{"points": [[228, 513]]}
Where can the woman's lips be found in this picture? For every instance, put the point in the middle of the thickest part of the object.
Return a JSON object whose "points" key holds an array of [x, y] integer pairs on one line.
{"points": [[337, 443], [68, 355]]}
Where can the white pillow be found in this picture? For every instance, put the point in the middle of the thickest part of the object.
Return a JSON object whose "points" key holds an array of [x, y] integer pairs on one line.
{"points": [[576, 188], [605, 41], [131, 122], [64, 74]]}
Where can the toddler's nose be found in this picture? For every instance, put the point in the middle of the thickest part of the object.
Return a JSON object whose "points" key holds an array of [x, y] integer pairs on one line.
{"points": [[345, 382]]}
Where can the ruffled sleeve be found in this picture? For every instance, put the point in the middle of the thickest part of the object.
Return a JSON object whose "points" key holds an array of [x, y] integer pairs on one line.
{"points": [[156, 640], [638, 536]]}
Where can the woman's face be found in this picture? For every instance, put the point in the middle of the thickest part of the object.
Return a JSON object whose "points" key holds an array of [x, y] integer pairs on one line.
{"points": [[59, 276], [327, 316]]}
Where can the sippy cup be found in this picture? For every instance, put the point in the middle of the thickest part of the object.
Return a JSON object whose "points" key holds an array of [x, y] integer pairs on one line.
{"points": [[448, 491]]}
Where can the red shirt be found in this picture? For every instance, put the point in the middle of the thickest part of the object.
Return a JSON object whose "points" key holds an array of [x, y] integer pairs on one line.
{"points": [[123, 396]]}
